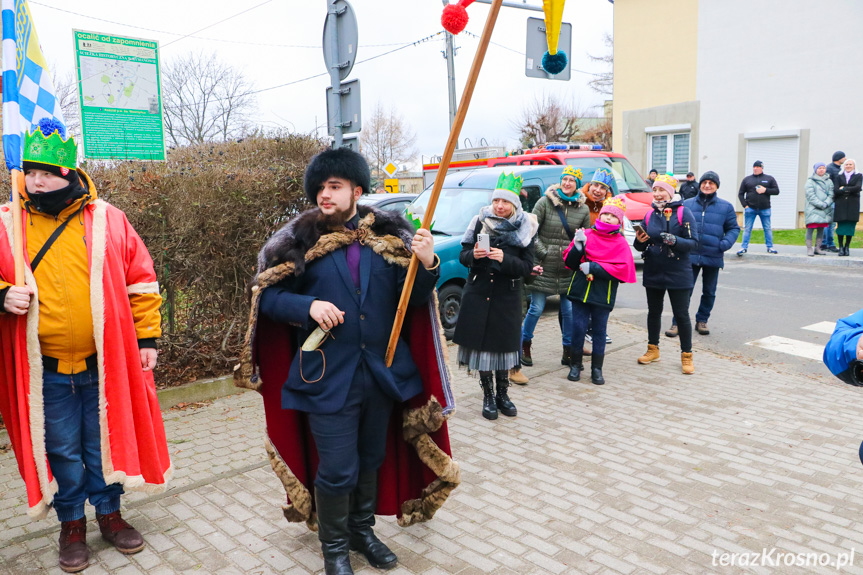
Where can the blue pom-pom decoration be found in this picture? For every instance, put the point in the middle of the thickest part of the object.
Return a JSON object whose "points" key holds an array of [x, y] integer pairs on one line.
{"points": [[554, 64], [50, 125]]}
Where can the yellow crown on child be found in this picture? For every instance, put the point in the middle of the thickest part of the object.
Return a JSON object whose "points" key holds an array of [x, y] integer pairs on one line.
{"points": [[615, 203]]}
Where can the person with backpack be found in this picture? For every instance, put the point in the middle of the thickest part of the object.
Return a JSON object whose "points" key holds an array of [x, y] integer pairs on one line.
{"points": [[667, 237], [559, 214], [602, 260]]}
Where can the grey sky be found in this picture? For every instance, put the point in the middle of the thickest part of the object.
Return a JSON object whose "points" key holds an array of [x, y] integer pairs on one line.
{"points": [[279, 42]]}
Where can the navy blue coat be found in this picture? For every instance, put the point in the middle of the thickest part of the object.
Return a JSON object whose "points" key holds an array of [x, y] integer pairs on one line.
{"points": [[716, 228], [668, 267], [368, 321]]}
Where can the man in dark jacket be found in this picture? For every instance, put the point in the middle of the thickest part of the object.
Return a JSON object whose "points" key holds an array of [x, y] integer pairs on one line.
{"points": [[833, 169], [689, 188], [754, 195], [717, 230]]}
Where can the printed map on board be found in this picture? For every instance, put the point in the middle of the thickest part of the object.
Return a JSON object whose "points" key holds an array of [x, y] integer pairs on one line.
{"points": [[119, 84]]}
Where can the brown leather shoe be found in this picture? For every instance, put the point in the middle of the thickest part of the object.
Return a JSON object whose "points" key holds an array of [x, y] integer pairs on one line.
{"points": [[120, 534], [74, 555], [516, 376], [701, 327]]}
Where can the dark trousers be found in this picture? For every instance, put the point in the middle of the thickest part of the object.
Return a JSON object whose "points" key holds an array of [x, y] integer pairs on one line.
{"points": [[709, 281], [354, 438], [679, 306], [586, 315]]}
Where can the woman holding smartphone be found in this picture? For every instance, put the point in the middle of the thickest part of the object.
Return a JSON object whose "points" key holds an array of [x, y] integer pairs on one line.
{"points": [[666, 239], [488, 332]]}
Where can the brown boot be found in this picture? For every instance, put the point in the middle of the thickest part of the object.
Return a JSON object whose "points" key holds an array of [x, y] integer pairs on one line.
{"points": [[120, 534], [525, 354], [701, 327], [74, 555], [651, 355], [518, 376], [686, 363]]}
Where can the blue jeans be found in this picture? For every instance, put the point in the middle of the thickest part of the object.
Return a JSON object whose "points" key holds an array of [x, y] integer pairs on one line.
{"points": [[584, 315], [749, 220], [709, 281], [537, 305], [74, 444], [828, 241]]}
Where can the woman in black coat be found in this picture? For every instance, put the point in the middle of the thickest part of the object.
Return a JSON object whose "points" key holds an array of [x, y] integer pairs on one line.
{"points": [[846, 195], [666, 243], [489, 325]]}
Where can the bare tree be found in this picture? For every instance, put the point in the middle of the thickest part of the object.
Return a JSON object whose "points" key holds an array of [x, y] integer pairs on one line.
{"points": [[66, 92], [604, 82], [205, 100], [548, 119], [386, 137]]}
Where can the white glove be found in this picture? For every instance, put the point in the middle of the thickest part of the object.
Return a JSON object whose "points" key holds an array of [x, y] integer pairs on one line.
{"points": [[585, 268], [580, 236]]}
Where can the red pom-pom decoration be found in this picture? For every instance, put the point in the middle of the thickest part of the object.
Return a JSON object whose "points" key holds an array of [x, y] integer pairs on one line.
{"points": [[454, 18]]}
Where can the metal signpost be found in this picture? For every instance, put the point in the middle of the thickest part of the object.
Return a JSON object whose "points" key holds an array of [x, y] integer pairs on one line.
{"points": [[120, 95], [340, 52], [537, 44]]}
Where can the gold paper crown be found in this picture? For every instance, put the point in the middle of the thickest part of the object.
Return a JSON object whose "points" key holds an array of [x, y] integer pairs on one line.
{"points": [[670, 180], [574, 172], [615, 203]]}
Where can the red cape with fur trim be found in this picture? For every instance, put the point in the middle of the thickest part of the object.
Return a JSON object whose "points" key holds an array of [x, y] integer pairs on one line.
{"points": [[418, 473], [134, 447]]}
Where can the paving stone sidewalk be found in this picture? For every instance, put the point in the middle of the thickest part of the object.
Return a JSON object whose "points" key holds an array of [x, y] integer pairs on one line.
{"points": [[655, 472]]}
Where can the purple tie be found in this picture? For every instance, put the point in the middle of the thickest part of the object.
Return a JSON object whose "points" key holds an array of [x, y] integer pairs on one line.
{"points": [[352, 254]]}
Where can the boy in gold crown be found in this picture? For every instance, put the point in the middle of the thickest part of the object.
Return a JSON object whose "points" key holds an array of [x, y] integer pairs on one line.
{"points": [[78, 349]]}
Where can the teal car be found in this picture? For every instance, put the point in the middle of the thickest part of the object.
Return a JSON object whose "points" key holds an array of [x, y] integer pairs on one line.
{"points": [[461, 197]]}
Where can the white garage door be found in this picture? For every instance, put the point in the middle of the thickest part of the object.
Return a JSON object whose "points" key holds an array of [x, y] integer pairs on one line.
{"points": [[780, 157]]}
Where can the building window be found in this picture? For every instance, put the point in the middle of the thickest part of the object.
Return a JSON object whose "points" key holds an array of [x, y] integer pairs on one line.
{"points": [[669, 153]]}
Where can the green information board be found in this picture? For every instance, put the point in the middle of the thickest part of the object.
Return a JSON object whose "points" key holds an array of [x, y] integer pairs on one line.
{"points": [[119, 89]]}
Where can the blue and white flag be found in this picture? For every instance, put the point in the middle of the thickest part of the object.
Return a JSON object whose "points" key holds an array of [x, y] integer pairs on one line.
{"points": [[28, 92]]}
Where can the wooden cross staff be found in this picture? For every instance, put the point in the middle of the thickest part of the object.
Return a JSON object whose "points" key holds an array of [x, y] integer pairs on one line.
{"points": [[464, 104]]}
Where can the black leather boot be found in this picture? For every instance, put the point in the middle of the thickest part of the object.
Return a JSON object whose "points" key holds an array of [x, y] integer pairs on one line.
{"points": [[567, 354], [504, 404], [596, 369], [575, 366], [489, 405], [362, 518], [333, 532]]}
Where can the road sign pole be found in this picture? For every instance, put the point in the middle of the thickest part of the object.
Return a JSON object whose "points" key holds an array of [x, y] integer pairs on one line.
{"points": [[335, 106]]}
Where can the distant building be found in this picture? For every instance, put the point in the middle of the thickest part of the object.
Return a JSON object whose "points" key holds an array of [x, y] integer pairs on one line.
{"points": [[715, 85]]}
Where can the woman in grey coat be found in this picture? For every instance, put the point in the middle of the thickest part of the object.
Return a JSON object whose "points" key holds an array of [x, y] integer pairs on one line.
{"points": [[819, 207], [561, 202]]}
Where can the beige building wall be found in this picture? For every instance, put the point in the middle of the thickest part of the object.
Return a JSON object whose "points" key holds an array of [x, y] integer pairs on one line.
{"points": [[655, 56]]}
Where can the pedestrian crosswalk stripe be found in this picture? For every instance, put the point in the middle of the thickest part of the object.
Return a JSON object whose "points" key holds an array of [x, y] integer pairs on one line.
{"points": [[790, 346], [822, 327]]}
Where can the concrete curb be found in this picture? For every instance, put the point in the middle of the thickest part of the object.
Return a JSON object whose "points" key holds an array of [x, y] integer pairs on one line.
{"points": [[792, 255]]}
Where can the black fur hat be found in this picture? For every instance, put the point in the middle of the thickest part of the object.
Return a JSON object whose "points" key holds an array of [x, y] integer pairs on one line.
{"points": [[342, 163]]}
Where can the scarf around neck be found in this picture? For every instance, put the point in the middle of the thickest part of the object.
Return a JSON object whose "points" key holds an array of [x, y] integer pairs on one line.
{"points": [[517, 230]]}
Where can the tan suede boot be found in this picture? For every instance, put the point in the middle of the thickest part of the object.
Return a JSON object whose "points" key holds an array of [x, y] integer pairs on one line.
{"points": [[686, 363], [518, 376], [651, 355]]}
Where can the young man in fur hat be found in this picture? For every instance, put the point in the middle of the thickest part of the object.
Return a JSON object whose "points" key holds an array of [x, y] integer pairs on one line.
{"points": [[336, 272], [77, 352]]}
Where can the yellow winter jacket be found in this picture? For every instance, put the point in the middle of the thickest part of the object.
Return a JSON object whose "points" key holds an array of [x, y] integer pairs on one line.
{"points": [[63, 281]]}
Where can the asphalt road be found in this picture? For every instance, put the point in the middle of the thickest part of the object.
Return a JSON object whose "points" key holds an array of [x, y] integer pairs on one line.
{"points": [[757, 300]]}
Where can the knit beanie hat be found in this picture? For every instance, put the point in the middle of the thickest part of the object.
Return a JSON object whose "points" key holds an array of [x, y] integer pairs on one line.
{"points": [[574, 173], [818, 165], [667, 183], [508, 188], [838, 156], [615, 207], [342, 163], [709, 175]]}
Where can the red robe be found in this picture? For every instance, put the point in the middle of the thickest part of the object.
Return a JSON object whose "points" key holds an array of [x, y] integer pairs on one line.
{"points": [[418, 473], [134, 447]]}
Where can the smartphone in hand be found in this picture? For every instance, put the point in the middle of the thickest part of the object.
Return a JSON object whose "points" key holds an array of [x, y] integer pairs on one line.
{"points": [[639, 228], [482, 242]]}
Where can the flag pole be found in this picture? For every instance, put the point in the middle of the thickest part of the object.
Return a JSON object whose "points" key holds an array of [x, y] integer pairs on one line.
{"points": [[17, 231], [463, 106]]}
